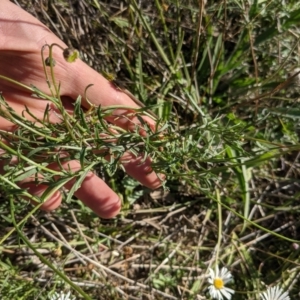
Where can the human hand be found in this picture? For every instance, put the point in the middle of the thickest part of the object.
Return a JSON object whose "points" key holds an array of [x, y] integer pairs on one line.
{"points": [[22, 37]]}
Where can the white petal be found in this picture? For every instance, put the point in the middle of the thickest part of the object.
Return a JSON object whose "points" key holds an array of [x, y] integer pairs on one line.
{"points": [[274, 293], [214, 293], [263, 296], [217, 274], [227, 292], [212, 273]]}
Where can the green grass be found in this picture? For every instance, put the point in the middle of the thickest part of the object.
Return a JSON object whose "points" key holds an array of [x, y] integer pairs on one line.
{"points": [[219, 76]]}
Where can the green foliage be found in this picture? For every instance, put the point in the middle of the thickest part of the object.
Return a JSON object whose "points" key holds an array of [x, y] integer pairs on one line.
{"points": [[219, 77]]}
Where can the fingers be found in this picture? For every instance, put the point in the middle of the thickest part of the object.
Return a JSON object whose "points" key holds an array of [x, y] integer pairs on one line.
{"points": [[93, 192], [103, 93], [38, 190], [97, 195], [140, 169]]}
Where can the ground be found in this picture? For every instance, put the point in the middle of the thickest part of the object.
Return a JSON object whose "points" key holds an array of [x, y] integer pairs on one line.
{"points": [[220, 74]]}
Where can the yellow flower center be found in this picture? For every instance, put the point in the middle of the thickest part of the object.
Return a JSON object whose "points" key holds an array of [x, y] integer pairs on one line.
{"points": [[218, 283]]}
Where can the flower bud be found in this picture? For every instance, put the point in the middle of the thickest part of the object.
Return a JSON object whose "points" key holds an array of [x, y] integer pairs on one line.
{"points": [[50, 62], [70, 54]]}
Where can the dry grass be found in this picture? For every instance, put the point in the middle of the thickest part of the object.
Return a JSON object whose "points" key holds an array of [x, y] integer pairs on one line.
{"points": [[164, 242]]}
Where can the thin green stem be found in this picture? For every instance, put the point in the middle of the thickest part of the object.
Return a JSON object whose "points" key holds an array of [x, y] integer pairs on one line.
{"points": [[42, 258], [218, 246]]}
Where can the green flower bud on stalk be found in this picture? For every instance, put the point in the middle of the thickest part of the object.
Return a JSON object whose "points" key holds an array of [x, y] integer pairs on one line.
{"points": [[70, 54], [50, 62]]}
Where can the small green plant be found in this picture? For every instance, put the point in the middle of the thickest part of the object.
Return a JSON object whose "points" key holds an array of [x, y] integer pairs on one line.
{"points": [[220, 77]]}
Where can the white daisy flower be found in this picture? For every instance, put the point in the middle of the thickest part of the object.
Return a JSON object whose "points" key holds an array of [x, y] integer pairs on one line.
{"points": [[218, 280], [274, 293], [62, 296]]}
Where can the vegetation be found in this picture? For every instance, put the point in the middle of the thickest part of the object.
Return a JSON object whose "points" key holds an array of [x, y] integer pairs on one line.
{"points": [[223, 78]]}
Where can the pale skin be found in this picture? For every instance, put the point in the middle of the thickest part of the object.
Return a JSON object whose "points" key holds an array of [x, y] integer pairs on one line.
{"points": [[21, 39]]}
